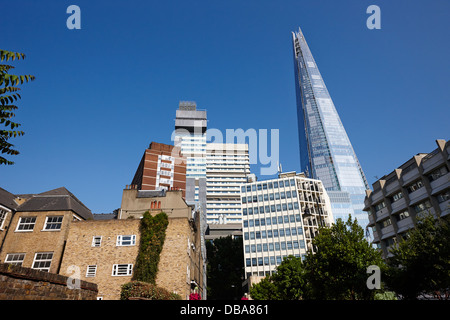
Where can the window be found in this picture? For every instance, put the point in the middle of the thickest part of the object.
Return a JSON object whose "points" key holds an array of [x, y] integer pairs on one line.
{"points": [[3, 215], [385, 223], [397, 196], [421, 207], [444, 196], [436, 174], [53, 223], [380, 206], [26, 224], [91, 271], [122, 270], [42, 261], [403, 215], [415, 186], [15, 258], [129, 240]]}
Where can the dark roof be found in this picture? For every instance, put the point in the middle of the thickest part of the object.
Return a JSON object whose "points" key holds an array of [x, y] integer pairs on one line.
{"points": [[104, 216], [59, 199], [151, 193], [7, 199]]}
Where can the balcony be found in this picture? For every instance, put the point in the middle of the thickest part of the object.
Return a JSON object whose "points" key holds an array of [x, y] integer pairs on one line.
{"points": [[387, 232], [445, 208], [382, 214], [395, 185], [440, 183], [417, 195], [398, 205], [410, 176], [432, 161], [404, 224]]}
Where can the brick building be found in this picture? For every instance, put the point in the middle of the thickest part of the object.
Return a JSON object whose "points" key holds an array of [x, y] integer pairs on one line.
{"points": [[162, 167], [36, 231], [104, 251], [55, 232]]}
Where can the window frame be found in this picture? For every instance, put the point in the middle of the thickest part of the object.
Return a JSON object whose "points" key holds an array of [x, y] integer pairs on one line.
{"points": [[115, 269], [47, 223], [93, 243], [120, 241], [15, 262], [42, 261], [91, 271], [22, 223]]}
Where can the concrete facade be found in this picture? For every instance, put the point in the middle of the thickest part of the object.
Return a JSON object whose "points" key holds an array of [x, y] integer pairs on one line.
{"points": [[419, 186]]}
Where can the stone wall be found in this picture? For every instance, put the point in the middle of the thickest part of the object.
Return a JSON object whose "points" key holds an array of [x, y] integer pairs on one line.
{"points": [[19, 283]]}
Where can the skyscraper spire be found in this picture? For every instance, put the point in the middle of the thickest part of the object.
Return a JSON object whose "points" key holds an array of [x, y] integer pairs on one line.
{"points": [[325, 149]]}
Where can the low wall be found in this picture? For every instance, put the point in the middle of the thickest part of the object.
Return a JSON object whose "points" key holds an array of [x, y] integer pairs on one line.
{"points": [[18, 283]]}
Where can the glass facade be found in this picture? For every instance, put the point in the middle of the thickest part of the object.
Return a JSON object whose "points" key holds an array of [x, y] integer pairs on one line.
{"points": [[325, 149]]}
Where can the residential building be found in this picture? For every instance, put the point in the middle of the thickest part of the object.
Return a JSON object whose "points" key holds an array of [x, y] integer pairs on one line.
{"points": [[8, 205], [227, 167], [325, 149], [37, 231], [421, 185], [190, 136], [162, 167], [281, 217]]}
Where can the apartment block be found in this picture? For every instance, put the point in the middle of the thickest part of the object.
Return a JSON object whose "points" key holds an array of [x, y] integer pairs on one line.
{"points": [[421, 185], [162, 167], [227, 167], [281, 217]]}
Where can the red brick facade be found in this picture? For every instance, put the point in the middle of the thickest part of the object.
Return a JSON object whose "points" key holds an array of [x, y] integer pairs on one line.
{"points": [[161, 166]]}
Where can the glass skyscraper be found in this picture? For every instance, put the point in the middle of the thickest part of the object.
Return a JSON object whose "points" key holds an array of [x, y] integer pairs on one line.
{"points": [[325, 149]]}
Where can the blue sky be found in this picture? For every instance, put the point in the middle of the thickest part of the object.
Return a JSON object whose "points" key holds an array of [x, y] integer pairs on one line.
{"points": [[104, 92]]}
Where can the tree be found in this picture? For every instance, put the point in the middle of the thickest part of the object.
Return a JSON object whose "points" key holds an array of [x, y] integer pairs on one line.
{"points": [[420, 265], [338, 268], [9, 94], [288, 283], [225, 268]]}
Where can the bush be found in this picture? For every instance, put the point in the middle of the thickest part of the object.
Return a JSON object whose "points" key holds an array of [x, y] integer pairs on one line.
{"points": [[146, 290]]}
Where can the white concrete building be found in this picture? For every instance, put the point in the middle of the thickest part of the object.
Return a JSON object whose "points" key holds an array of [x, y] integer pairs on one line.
{"points": [[227, 167], [280, 217]]}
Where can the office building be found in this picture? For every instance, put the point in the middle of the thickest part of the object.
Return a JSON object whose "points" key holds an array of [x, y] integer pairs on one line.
{"points": [[419, 186], [227, 167], [281, 217], [325, 149]]}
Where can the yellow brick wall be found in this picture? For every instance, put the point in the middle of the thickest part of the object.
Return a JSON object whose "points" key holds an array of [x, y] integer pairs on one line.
{"points": [[80, 253], [37, 240]]}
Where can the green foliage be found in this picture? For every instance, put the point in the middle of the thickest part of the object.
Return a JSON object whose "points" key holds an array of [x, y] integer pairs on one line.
{"points": [[338, 268], [421, 263], [8, 95], [147, 291], [288, 283], [153, 234], [225, 268]]}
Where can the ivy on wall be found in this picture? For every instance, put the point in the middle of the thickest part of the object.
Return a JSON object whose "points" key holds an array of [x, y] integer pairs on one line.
{"points": [[153, 234]]}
